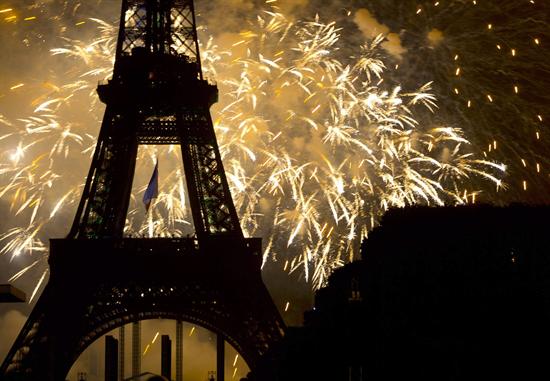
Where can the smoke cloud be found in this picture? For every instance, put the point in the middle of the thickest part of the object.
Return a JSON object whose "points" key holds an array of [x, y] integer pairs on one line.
{"points": [[10, 324], [370, 27], [435, 37]]}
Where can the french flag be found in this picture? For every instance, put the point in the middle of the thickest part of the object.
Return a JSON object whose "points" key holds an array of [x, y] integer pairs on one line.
{"points": [[152, 190]]}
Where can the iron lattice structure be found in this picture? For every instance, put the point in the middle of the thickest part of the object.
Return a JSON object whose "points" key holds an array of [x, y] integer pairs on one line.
{"points": [[157, 96], [100, 280]]}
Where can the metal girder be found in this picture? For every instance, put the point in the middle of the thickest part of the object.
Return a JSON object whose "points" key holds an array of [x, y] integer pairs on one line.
{"points": [[104, 203], [165, 26]]}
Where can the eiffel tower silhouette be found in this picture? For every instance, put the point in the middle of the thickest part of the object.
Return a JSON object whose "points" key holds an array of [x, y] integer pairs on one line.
{"points": [[99, 279]]}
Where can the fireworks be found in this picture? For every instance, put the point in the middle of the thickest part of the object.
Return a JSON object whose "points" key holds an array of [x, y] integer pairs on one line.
{"points": [[490, 73], [317, 144]]}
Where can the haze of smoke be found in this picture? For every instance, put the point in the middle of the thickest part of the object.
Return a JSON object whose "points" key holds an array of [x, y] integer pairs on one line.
{"points": [[11, 322]]}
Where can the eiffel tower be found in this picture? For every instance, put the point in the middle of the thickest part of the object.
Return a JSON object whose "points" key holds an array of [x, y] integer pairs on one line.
{"points": [[99, 279]]}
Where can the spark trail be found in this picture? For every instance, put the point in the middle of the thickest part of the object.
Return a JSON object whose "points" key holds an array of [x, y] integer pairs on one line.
{"points": [[490, 71]]}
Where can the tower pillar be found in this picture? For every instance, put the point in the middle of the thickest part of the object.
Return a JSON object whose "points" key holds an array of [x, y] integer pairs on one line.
{"points": [[220, 358], [166, 357], [111, 358]]}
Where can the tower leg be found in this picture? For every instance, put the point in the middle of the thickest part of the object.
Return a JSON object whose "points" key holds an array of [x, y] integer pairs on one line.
{"points": [[220, 358]]}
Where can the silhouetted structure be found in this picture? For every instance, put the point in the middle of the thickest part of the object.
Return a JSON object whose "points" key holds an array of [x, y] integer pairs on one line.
{"points": [[179, 350], [166, 357], [111, 358], [136, 348], [121, 353], [99, 279], [11, 294], [220, 359], [440, 294]]}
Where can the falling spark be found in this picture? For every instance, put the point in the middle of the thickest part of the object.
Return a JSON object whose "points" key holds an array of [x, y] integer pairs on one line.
{"points": [[500, 57], [37, 287]]}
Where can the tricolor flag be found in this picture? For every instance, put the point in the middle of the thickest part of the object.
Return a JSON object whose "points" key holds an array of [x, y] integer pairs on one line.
{"points": [[152, 190]]}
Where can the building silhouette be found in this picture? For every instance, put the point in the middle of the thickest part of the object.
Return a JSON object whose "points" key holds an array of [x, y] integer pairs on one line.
{"points": [[439, 294]]}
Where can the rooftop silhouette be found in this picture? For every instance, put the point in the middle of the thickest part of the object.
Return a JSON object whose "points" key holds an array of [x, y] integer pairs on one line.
{"points": [[440, 294]]}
